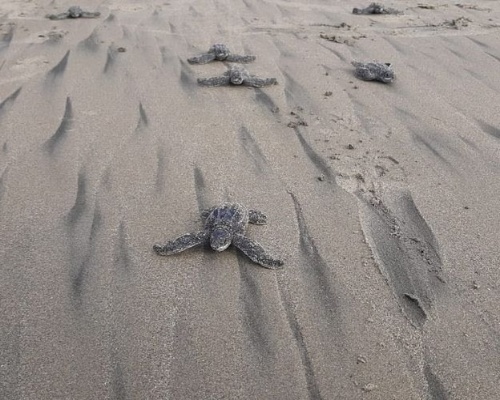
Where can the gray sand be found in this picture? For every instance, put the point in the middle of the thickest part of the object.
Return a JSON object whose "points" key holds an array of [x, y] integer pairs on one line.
{"points": [[381, 199]]}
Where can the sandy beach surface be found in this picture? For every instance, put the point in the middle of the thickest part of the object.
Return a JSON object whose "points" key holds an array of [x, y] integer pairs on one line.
{"points": [[382, 200]]}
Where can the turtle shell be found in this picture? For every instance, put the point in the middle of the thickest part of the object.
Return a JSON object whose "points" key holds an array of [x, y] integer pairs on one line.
{"points": [[230, 215]]}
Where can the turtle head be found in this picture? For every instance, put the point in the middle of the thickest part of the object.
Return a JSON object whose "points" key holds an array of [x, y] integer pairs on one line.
{"points": [[388, 75], [75, 12], [221, 51], [220, 238], [237, 76]]}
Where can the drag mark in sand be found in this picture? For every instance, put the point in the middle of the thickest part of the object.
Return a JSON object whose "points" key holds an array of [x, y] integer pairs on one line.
{"points": [[252, 149], [9, 101], [61, 132], [7, 38], [317, 270], [435, 387], [81, 238], [117, 381], [420, 140], [293, 90], [264, 99], [405, 251], [317, 266], [489, 129], [122, 258], [255, 321], [315, 158], [79, 276], [59, 69], [110, 59], [160, 169], [143, 119], [185, 78], [3, 176], [199, 186], [79, 206]]}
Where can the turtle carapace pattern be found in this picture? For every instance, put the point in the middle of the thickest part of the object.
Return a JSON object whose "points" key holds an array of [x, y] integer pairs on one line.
{"points": [[224, 225], [74, 12], [237, 75], [375, 8], [219, 52], [374, 71]]}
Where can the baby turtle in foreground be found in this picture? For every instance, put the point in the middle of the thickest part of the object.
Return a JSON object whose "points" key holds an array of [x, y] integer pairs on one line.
{"points": [[74, 12], [223, 225], [237, 75], [219, 52], [374, 71], [375, 8]]}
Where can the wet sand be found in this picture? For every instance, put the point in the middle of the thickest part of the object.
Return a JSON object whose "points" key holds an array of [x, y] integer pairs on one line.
{"points": [[381, 199]]}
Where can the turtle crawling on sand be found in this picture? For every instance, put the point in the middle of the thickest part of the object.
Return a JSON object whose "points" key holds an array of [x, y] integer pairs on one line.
{"points": [[237, 75], [223, 225], [219, 52], [375, 8], [74, 12], [374, 71]]}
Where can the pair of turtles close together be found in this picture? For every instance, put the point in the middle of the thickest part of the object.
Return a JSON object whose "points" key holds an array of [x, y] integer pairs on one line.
{"points": [[236, 74]]}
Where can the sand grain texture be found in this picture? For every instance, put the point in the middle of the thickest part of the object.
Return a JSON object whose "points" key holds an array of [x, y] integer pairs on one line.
{"points": [[381, 199]]}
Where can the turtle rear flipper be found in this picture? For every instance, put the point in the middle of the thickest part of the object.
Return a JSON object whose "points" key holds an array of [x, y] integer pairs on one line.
{"points": [[181, 243], [215, 81], [364, 74], [255, 82], [87, 14], [256, 217], [240, 59], [58, 16], [256, 252], [202, 59]]}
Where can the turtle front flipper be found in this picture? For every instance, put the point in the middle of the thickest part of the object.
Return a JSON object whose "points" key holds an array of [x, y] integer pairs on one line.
{"points": [[240, 59], [202, 59], [181, 243], [256, 217], [256, 252], [58, 16], [87, 14], [215, 81], [253, 81]]}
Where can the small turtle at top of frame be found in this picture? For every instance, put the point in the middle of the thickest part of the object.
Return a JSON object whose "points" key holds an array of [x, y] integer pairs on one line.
{"points": [[219, 52], [374, 71], [224, 225], [237, 75], [375, 8], [74, 12]]}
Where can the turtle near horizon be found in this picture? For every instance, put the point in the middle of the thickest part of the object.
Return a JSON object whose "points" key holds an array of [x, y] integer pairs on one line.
{"points": [[375, 8], [374, 71], [74, 12], [219, 52], [224, 225], [237, 75]]}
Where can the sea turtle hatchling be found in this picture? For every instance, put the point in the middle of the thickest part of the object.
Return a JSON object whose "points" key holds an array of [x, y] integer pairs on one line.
{"points": [[374, 71], [219, 52], [74, 12], [237, 75], [223, 225], [375, 8]]}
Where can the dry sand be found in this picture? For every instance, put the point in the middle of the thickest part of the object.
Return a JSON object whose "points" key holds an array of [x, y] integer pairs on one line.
{"points": [[383, 200]]}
